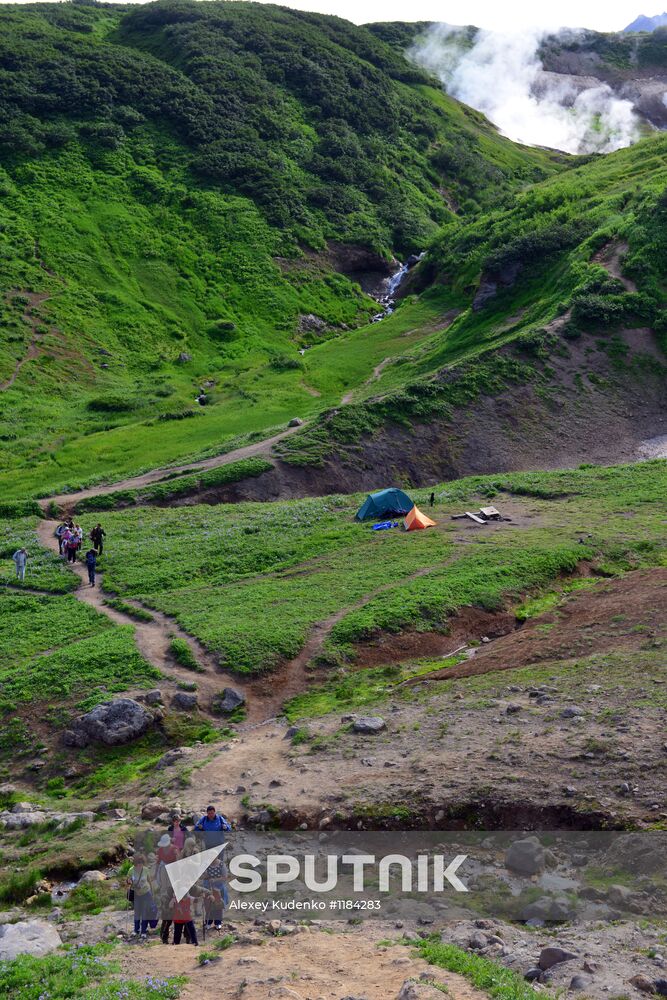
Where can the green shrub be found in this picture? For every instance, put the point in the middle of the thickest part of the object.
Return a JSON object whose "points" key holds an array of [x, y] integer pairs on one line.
{"points": [[181, 652]]}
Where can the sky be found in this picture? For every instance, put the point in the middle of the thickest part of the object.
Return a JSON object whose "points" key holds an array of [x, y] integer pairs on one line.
{"points": [[602, 15], [513, 15]]}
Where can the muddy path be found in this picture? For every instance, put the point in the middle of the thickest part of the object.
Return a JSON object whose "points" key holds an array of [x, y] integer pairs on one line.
{"points": [[153, 638]]}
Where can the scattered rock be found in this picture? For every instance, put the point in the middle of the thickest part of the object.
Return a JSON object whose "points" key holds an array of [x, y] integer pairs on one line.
{"points": [[512, 709], [532, 975], [661, 987], [477, 941], [183, 358], [642, 983], [227, 702], [28, 937], [548, 908], [183, 701], [579, 982], [412, 990], [93, 876], [173, 756], [153, 697], [571, 712], [554, 956], [369, 725], [295, 422], [525, 856], [310, 323], [153, 808]]}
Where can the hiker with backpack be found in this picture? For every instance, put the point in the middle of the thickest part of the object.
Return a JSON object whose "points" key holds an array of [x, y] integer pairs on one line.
{"points": [[71, 546], [97, 537], [91, 564], [61, 533], [212, 822]]}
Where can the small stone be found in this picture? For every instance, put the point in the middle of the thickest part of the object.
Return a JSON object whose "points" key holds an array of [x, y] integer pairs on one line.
{"points": [[512, 709], [183, 701], [532, 975], [295, 422], [642, 983], [579, 982], [153, 697], [553, 956], [571, 712]]}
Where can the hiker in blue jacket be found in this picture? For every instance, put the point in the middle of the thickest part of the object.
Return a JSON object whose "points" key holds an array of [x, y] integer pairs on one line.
{"points": [[212, 822], [91, 563]]}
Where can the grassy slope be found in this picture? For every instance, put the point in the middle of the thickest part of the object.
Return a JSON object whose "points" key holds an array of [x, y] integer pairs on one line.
{"points": [[550, 233], [123, 201]]}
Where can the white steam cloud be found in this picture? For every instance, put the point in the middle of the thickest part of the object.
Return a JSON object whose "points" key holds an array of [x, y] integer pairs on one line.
{"points": [[502, 76]]}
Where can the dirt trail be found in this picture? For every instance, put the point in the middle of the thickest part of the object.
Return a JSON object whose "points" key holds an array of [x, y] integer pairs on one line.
{"points": [[152, 638], [67, 501], [34, 299], [313, 964], [611, 258]]}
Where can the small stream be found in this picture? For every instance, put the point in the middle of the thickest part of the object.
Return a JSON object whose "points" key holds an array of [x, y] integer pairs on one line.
{"points": [[387, 298]]}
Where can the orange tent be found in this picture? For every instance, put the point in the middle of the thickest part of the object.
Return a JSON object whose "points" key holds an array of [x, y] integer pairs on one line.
{"points": [[416, 520]]}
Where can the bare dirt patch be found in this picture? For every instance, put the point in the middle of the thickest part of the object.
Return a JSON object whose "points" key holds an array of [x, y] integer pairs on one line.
{"points": [[310, 964], [619, 614]]}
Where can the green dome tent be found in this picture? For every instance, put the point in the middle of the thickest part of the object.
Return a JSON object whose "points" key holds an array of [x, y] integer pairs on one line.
{"points": [[384, 504]]}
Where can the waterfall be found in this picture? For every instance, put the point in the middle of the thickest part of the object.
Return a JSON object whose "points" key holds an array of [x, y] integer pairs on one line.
{"points": [[388, 297]]}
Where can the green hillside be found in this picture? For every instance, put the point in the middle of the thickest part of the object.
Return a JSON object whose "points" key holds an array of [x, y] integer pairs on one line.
{"points": [[170, 181]]}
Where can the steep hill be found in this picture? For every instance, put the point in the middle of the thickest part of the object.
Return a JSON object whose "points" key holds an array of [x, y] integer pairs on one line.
{"points": [[190, 193]]}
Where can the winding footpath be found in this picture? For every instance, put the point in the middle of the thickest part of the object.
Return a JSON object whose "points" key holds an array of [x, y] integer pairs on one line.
{"points": [[153, 638], [66, 502]]}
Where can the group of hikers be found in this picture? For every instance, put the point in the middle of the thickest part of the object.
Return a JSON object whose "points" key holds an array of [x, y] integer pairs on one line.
{"points": [[70, 543], [151, 892]]}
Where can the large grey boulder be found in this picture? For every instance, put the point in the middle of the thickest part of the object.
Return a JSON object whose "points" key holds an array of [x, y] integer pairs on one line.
{"points": [[28, 937], [525, 856], [369, 725], [113, 723], [227, 702]]}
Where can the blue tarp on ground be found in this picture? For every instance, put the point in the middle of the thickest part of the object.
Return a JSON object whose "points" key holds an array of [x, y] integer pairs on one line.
{"points": [[384, 504]]}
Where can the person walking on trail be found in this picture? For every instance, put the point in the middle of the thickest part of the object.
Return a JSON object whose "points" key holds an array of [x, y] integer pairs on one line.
{"points": [[212, 821], [178, 831], [78, 533], [72, 547], [97, 537], [431, 500], [183, 921], [91, 564], [138, 880], [20, 558], [60, 535]]}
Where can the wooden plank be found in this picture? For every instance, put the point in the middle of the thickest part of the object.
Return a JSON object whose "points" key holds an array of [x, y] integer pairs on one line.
{"points": [[473, 517]]}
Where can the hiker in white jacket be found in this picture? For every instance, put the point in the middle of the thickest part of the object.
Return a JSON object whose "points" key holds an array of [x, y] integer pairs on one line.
{"points": [[20, 558]]}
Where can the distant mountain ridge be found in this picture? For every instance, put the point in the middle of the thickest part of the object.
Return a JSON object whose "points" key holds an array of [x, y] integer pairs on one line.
{"points": [[644, 23]]}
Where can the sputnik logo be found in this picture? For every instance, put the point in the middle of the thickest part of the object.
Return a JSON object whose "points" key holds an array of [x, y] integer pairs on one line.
{"points": [[184, 873]]}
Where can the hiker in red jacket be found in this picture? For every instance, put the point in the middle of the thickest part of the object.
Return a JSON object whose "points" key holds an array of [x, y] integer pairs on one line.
{"points": [[182, 917]]}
